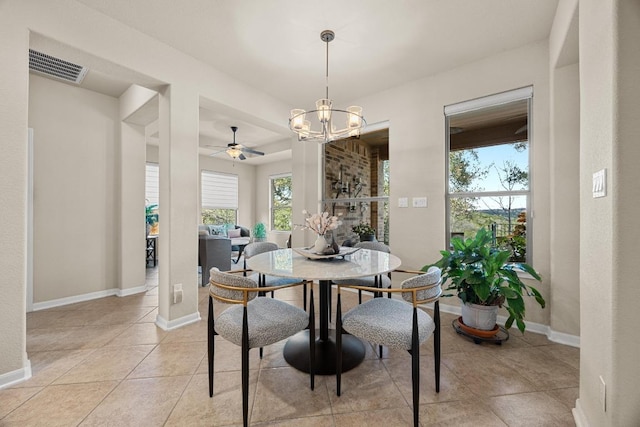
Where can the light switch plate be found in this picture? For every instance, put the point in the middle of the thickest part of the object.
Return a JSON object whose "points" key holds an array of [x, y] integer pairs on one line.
{"points": [[403, 202], [419, 202], [600, 183]]}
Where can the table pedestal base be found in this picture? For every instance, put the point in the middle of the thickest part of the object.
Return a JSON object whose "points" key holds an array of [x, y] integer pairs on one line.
{"points": [[296, 352]]}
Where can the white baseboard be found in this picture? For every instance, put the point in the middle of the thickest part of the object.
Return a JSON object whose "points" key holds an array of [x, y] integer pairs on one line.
{"points": [[17, 376], [88, 297], [578, 415], [162, 323], [131, 291], [538, 328]]}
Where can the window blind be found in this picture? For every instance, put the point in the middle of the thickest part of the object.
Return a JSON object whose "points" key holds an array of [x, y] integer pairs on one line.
{"points": [[218, 190], [152, 184]]}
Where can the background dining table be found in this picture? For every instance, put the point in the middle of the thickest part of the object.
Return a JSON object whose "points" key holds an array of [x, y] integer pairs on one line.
{"points": [[300, 263]]}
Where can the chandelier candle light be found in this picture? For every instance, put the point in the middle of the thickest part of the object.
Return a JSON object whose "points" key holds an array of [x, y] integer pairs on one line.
{"points": [[324, 126]]}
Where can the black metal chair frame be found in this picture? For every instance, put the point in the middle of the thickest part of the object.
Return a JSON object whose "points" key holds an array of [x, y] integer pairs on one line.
{"points": [[245, 336], [415, 347]]}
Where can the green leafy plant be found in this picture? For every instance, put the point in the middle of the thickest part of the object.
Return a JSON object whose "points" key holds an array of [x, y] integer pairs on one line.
{"points": [[151, 216], [363, 228], [480, 274], [260, 230]]}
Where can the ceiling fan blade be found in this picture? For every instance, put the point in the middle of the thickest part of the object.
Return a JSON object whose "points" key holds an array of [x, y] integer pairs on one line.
{"points": [[252, 151], [241, 157], [215, 153]]}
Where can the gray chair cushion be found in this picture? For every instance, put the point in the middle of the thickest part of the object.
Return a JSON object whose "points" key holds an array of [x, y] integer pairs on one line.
{"points": [[270, 320], [387, 322], [275, 280]]}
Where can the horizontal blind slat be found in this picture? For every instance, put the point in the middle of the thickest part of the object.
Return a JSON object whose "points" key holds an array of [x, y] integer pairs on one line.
{"points": [[152, 184], [219, 191]]}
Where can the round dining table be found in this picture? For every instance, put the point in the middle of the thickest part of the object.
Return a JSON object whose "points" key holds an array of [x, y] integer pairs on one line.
{"points": [[302, 264]]}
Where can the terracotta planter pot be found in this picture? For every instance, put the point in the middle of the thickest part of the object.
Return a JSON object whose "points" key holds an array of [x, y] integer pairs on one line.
{"points": [[481, 317]]}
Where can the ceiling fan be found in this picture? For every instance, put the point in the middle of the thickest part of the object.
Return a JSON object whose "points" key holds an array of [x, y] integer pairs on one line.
{"points": [[237, 151]]}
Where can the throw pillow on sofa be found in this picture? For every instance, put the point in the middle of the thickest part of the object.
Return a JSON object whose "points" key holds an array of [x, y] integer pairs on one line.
{"points": [[233, 234], [219, 230]]}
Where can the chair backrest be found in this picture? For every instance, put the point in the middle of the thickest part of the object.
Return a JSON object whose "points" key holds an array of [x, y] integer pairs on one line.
{"points": [[431, 277], [256, 248], [219, 279], [374, 246]]}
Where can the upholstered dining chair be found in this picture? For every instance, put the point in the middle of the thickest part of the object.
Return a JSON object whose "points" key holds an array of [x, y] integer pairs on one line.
{"points": [[255, 248], [252, 322], [372, 282], [397, 324]]}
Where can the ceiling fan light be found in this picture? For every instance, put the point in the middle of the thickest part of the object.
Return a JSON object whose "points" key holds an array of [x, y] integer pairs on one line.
{"points": [[234, 152], [297, 119], [324, 110]]}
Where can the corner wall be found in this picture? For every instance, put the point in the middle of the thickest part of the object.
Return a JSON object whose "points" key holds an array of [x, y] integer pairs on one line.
{"points": [[75, 202], [609, 129], [14, 91]]}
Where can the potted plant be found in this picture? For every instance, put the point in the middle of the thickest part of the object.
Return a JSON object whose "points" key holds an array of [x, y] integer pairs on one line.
{"points": [[483, 278], [365, 231], [259, 232], [151, 218]]}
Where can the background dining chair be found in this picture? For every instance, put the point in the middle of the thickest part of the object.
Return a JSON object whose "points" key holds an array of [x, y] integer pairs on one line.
{"points": [[379, 281], [253, 322], [396, 324], [255, 248]]}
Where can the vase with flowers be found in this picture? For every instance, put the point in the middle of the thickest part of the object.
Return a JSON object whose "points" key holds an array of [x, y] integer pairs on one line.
{"points": [[321, 224]]}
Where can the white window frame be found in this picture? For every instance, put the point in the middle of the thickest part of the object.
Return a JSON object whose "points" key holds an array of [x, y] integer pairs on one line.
{"points": [[525, 93], [271, 207]]}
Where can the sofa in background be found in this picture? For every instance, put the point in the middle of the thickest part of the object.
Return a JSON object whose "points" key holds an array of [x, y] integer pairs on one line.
{"points": [[215, 247], [213, 251]]}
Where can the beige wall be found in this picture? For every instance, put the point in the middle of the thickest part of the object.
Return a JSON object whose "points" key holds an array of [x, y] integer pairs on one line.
{"points": [[14, 92], [564, 298], [609, 128], [75, 205]]}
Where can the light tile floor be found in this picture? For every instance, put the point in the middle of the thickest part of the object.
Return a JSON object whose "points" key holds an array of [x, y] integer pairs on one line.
{"points": [[104, 362]]}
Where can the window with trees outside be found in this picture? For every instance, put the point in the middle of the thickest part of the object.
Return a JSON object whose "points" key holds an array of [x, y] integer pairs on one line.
{"points": [[219, 198], [489, 170], [281, 191]]}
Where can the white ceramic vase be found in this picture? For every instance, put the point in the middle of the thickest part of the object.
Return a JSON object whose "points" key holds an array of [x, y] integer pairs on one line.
{"points": [[320, 244]]}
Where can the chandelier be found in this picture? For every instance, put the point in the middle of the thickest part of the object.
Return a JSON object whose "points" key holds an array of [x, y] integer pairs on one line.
{"points": [[325, 123]]}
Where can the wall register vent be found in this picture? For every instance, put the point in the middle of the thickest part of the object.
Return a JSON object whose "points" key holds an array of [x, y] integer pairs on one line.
{"points": [[55, 67]]}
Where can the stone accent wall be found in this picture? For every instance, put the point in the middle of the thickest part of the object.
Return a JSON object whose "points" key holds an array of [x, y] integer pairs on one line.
{"points": [[347, 162]]}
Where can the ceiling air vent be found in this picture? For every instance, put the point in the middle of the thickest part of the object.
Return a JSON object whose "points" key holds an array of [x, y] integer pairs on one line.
{"points": [[55, 67]]}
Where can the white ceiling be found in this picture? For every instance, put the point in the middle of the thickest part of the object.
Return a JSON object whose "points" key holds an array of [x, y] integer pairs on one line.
{"points": [[275, 45]]}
